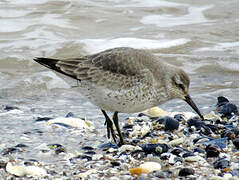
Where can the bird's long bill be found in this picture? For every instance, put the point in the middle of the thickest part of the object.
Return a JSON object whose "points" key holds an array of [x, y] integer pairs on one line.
{"points": [[189, 100]]}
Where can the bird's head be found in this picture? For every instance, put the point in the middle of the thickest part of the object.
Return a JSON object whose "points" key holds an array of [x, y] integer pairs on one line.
{"points": [[178, 87]]}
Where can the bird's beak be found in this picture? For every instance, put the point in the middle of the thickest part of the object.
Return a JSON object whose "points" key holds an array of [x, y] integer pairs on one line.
{"points": [[189, 100]]}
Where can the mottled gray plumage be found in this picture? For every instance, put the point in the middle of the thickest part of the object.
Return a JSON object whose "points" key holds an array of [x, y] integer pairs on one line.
{"points": [[124, 79]]}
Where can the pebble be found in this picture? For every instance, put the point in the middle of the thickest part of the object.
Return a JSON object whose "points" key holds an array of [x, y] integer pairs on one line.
{"points": [[9, 108], [154, 148], [221, 100], [212, 151], [221, 164], [40, 119], [167, 145], [186, 172], [236, 143], [170, 124], [192, 158], [226, 108]]}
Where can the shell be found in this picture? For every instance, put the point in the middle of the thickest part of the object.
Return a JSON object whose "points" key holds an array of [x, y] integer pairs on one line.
{"points": [[146, 168], [25, 170], [73, 122], [156, 112], [176, 142]]}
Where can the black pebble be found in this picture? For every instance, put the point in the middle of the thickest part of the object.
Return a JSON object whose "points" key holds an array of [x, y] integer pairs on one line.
{"points": [[177, 151], [228, 109], [165, 156], [3, 164], [187, 154], [221, 101], [214, 128], [196, 122], [115, 163], [9, 108], [108, 146], [236, 142], [128, 126], [221, 164], [199, 150], [21, 146], [10, 150], [212, 151], [39, 119], [142, 114], [87, 148], [76, 159], [170, 124], [90, 152], [186, 172], [154, 148], [70, 114]]}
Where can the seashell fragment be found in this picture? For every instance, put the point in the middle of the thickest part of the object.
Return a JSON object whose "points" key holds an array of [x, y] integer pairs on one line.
{"points": [[212, 115], [192, 158], [156, 112], [25, 170], [128, 147], [176, 142], [146, 168], [73, 122]]}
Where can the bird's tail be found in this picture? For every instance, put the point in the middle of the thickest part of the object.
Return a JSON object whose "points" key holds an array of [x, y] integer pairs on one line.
{"points": [[52, 64]]}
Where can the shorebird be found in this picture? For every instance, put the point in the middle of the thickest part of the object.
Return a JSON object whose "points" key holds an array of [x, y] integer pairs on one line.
{"points": [[124, 80]]}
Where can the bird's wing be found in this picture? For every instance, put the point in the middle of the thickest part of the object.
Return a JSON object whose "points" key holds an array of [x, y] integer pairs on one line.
{"points": [[113, 69]]}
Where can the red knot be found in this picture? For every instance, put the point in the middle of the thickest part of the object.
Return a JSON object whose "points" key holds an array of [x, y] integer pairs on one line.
{"points": [[124, 80]]}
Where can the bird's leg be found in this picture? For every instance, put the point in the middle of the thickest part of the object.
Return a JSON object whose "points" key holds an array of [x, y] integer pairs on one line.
{"points": [[109, 124], [116, 122]]}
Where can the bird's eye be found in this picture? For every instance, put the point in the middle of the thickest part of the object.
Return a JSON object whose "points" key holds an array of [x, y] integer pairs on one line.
{"points": [[181, 86]]}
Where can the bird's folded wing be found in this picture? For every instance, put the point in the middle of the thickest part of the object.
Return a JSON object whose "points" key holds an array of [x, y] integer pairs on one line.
{"points": [[110, 70]]}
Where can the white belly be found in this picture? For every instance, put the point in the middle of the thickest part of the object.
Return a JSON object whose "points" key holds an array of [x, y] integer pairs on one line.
{"points": [[126, 101]]}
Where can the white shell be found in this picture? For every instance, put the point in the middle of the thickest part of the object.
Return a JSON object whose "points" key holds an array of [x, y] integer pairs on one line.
{"points": [[176, 142], [25, 170], [74, 122], [128, 147], [151, 166]]}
